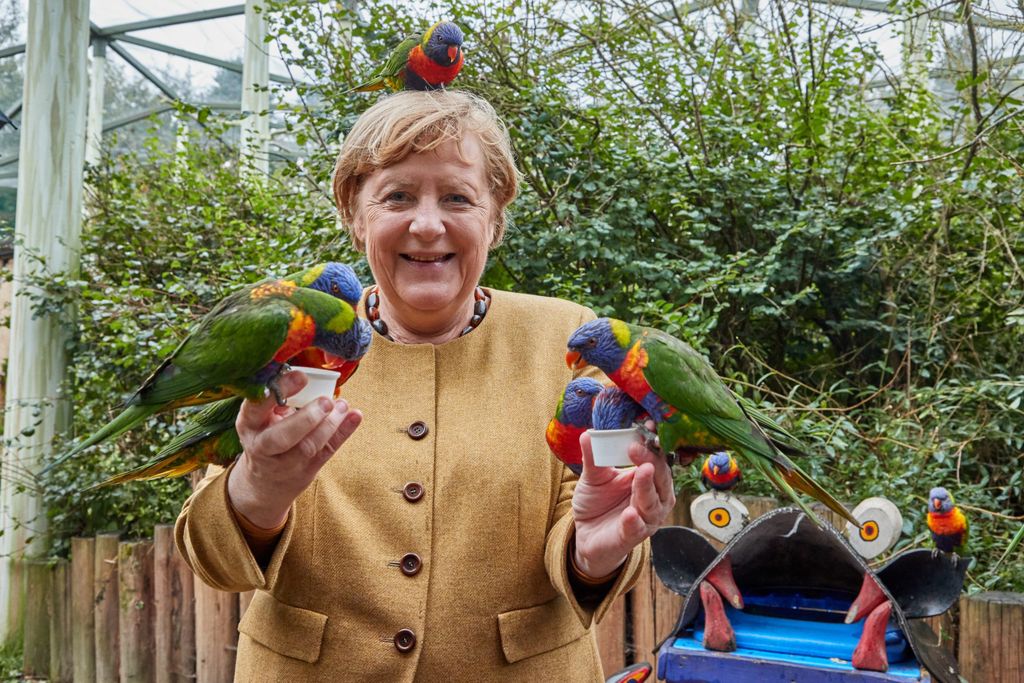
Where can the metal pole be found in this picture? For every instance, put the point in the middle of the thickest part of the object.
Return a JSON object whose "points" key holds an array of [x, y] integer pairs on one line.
{"points": [[255, 96], [47, 228]]}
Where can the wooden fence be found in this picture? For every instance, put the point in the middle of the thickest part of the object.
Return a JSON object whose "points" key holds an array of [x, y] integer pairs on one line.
{"points": [[131, 611]]}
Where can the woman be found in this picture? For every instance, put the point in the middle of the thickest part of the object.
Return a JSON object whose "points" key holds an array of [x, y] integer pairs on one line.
{"points": [[428, 535]]}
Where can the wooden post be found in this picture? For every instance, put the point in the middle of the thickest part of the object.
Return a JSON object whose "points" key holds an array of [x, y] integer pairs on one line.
{"points": [[61, 669], [175, 611], [611, 636], [105, 614], [758, 505], [36, 660], [47, 227], [216, 633], [83, 594], [135, 621], [991, 634]]}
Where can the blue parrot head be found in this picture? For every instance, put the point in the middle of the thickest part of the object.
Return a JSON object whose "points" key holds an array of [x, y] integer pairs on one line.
{"points": [[339, 281], [578, 401], [603, 343], [719, 463], [349, 345], [939, 500], [443, 43], [614, 409]]}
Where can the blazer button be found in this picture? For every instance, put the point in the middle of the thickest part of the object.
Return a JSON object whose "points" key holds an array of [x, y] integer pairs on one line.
{"points": [[417, 430], [405, 640], [413, 491], [411, 564]]}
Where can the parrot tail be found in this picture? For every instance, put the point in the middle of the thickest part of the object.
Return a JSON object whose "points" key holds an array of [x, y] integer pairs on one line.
{"points": [[129, 418], [176, 464], [800, 481]]}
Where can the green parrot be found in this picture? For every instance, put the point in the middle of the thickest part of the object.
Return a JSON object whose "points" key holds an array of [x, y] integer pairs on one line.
{"points": [[693, 409], [240, 348]]}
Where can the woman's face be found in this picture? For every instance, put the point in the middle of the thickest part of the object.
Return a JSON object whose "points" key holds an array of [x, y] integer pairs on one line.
{"points": [[427, 223]]}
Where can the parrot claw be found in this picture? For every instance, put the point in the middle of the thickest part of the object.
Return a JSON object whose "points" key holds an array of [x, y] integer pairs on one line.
{"points": [[274, 388], [956, 560], [935, 553]]}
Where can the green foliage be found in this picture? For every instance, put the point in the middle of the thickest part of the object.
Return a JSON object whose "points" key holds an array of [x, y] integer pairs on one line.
{"points": [[848, 255]]}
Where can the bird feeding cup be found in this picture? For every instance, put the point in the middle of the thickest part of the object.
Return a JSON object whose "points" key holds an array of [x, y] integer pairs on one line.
{"points": [[318, 383], [611, 446]]}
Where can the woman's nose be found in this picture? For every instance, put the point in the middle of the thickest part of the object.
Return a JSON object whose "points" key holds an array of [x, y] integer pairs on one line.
{"points": [[427, 223]]}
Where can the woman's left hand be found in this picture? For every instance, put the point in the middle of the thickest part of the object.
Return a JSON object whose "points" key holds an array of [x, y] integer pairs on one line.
{"points": [[617, 509]]}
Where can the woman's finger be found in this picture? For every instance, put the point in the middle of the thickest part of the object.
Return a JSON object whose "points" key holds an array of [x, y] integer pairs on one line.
{"points": [[284, 435], [349, 423], [254, 415], [645, 496]]}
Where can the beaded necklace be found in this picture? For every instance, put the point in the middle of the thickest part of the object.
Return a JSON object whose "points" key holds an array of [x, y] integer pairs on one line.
{"points": [[482, 302]]}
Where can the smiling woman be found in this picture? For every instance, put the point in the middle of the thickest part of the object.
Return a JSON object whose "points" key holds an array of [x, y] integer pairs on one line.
{"points": [[440, 540]]}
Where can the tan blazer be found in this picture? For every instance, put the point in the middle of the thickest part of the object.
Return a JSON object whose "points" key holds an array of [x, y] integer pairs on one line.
{"points": [[457, 532]]}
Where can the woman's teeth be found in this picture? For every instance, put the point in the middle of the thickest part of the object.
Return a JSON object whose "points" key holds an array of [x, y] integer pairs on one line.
{"points": [[427, 259]]}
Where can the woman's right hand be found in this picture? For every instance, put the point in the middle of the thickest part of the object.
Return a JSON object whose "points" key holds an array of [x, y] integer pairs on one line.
{"points": [[284, 448]]}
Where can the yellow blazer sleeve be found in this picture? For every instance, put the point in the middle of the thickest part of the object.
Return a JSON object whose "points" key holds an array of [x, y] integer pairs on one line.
{"points": [[211, 541], [563, 530]]}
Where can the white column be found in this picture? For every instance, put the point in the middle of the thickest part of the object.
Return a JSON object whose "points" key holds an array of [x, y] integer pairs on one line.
{"points": [[94, 122], [748, 18], [255, 97], [48, 224], [915, 52]]}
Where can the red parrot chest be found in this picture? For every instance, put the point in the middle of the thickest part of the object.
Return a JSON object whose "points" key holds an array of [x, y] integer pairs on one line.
{"points": [[430, 71], [301, 332]]}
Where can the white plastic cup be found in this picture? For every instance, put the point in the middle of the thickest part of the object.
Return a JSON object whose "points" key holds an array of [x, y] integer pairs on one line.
{"points": [[611, 446], [319, 383]]}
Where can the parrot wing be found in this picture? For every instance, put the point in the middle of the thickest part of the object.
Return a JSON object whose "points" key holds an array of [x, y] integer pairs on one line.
{"points": [[391, 68], [685, 380], [214, 425], [232, 343]]}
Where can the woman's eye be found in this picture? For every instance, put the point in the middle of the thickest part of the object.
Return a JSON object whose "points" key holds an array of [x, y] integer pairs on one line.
{"points": [[398, 197], [458, 198]]}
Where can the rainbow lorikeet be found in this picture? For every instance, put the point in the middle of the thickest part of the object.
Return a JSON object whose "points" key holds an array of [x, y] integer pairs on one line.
{"points": [[693, 409], [947, 523], [573, 416], [241, 346], [210, 438], [615, 409], [420, 62], [720, 472]]}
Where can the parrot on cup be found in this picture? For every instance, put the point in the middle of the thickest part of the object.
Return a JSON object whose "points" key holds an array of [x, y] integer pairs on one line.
{"points": [[242, 345], [573, 416], [427, 61], [693, 409]]}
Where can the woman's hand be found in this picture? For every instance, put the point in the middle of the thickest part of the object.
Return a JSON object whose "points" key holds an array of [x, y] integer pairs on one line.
{"points": [[284, 448], [617, 509]]}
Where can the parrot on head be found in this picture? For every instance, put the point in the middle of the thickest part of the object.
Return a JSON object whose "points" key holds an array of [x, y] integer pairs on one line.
{"points": [[427, 61], [242, 345], [720, 472], [573, 416], [693, 409], [947, 523], [615, 409]]}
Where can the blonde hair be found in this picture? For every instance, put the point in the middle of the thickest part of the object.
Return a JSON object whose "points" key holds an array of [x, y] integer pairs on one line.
{"points": [[410, 122]]}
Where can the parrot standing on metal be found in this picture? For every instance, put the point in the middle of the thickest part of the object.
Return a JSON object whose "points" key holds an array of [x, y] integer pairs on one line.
{"points": [[420, 62], [947, 523], [720, 472], [573, 416], [693, 409], [241, 347]]}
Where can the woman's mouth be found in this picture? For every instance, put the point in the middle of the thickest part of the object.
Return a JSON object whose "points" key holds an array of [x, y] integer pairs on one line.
{"points": [[428, 258]]}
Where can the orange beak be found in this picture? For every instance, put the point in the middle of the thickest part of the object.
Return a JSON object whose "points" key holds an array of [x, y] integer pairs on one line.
{"points": [[453, 53], [574, 360], [937, 503], [715, 469]]}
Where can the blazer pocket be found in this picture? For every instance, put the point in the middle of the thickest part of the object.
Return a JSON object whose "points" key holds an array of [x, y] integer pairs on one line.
{"points": [[534, 630], [290, 631]]}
